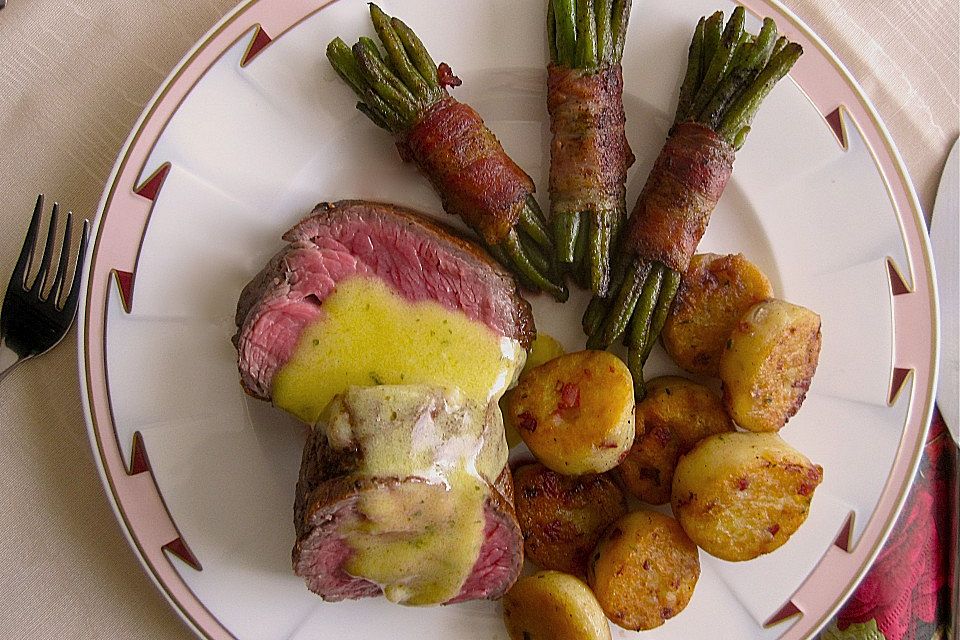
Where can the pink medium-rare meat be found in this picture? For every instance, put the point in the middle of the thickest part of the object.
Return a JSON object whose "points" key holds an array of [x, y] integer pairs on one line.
{"points": [[334, 479], [321, 551], [419, 258]]}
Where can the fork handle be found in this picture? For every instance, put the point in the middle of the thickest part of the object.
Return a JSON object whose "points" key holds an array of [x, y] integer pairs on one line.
{"points": [[8, 359]]}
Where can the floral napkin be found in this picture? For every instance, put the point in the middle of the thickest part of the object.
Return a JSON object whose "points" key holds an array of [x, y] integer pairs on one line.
{"points": [[906, 595]]}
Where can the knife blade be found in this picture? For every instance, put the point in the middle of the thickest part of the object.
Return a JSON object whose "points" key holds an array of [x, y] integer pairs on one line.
{"points": [[944, 240]]}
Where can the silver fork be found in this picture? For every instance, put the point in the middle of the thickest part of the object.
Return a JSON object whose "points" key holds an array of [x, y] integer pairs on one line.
{"points": [[32, 323]]}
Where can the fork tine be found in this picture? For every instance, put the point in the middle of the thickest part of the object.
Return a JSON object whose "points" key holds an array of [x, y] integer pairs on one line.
{"points": [[73, 298], [26, 252], [64, 262], [41, 280]]}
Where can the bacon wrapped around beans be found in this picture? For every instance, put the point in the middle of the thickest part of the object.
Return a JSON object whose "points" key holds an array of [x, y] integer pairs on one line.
{"points": [[729, 73], [403, 91], [589, 154]]}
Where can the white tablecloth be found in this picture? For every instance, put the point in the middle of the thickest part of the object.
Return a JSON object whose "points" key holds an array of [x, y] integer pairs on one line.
{"points": [[74, 76]]}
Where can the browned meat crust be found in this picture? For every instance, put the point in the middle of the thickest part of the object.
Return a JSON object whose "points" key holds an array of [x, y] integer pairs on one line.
{"points": [[328, 485]]}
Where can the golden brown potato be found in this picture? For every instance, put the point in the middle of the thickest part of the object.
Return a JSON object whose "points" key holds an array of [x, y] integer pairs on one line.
{"points": [[551, 606], [563, 517], [740, 495], [768, 363], [544, 349], [715, 293], [675, 415], [644, 570], [575, 412]]}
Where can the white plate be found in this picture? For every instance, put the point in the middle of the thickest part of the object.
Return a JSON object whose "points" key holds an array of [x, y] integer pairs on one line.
{"points": [[253, 128]]}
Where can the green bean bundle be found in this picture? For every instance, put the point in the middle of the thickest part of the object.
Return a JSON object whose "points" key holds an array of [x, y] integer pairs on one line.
{"points": [[589, 154], [403, 91], [729, 73]]}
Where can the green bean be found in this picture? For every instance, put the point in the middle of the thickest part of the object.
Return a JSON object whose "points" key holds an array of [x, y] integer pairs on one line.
{"points": [[763, 46], [580, 250], [532, 250], [712, 31], [779, 45], [369, 45], [668, 291], [566, 230], [532, 208], [639, 384], [419, 55], [565, 12], [377, 119], [691, 79], [586, 35], [521, 263], [741, 112], [344, 63], [620, 21], [598, 253], [379, 78], [740, 138], [594, 314], [745, 66], [718, 64], [534, 227], [398, 56], [342, 60], [552, 33], [732, 86], [640, 330], [640, 321], [623, 305], [602, 9], [741, 51]]}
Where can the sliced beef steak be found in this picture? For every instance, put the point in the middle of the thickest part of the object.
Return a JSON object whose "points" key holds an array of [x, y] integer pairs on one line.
{"points": [[336, 478], [419, 258]]}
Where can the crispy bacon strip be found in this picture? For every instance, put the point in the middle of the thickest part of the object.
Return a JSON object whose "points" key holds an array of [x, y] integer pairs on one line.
{"points": [[589, 155], [681, 192], [403, 91], [468, 167], [729, 73]]}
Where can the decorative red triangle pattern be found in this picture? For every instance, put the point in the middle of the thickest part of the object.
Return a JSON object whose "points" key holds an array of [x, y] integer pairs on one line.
{"points": [[180, 549], [899, 378], [786, 611], [897, 285], [260, 40], [151, 188], [125, 284], [835, 120], [842, 541], [139, 462]]}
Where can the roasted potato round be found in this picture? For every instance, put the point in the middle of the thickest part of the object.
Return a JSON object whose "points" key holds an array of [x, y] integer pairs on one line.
{"points": [[768, 363], [740, 495], [551, 605], [675, 415], [644, 570], [562, 517], [715, 293], [575, 412], [544, 349]]}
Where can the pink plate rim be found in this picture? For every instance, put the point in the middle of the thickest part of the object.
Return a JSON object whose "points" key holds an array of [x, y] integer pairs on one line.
{"points": [[133, 493]]}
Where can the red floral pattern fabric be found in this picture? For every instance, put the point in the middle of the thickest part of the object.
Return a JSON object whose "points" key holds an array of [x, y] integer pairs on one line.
{"points": [[906, 591]]}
